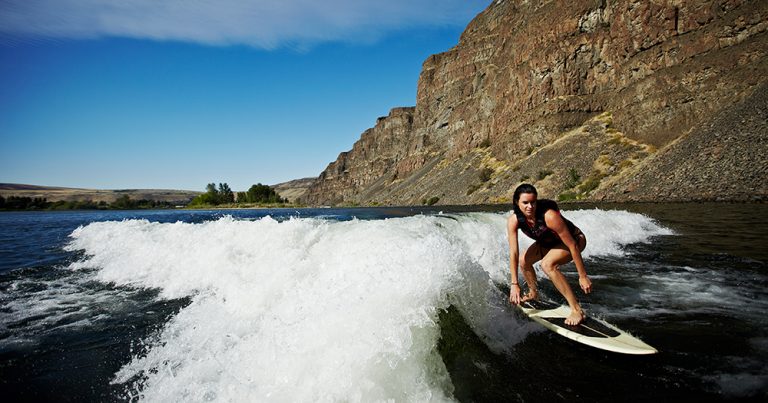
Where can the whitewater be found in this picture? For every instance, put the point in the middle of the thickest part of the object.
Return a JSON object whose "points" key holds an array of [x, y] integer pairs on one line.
{"points": [[319, 309]]}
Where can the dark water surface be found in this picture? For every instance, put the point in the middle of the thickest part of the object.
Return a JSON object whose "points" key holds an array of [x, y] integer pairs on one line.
{"points": [[105, 306]]}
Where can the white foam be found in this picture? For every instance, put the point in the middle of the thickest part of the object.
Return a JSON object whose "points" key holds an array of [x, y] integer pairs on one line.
{"points": [[316, 310], [607, 233], [300, 310]]}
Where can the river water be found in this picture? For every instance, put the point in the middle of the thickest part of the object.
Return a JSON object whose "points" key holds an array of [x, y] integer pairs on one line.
{"points": [[395, 304]]}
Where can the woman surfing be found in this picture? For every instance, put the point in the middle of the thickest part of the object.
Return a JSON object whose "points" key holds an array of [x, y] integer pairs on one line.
{"points": [[558, 241]]}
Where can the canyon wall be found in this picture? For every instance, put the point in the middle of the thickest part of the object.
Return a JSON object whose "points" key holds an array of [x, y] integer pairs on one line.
{"points": [[587, 99]]}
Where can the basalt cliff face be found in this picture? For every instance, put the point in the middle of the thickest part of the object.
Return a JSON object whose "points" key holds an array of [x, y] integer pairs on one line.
{"points": [[589, 100]]}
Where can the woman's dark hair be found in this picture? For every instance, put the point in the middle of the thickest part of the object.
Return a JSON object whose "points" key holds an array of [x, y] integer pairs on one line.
{"points": [[524, 188]]}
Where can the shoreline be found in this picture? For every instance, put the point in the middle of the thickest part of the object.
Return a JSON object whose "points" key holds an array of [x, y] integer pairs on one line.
{"points": [[481, 207]]}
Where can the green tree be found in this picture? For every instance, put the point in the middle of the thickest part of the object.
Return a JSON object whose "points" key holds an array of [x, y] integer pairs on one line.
{"points": [[40, 203], [211, 196], [23, 203], [225, 194], [214, 196], [262, 194], [123, 202]]}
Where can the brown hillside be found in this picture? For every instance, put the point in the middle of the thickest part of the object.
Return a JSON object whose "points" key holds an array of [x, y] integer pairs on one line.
{"points": [[53, 194]]}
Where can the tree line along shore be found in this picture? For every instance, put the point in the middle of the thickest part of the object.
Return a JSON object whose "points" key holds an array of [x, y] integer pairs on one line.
{"points": [[221, 196]]}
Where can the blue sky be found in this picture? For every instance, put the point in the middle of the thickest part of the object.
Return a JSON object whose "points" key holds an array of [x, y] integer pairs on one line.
{"points": [[176, 94]]}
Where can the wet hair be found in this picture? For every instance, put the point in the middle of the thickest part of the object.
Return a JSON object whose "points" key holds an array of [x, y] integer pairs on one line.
{"points": [[524, 188]]}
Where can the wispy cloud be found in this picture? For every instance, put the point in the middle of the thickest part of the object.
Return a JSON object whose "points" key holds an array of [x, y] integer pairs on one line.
{"points": [[264, 24]]}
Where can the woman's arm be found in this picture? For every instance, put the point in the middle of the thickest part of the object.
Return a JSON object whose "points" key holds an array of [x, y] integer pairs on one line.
{"points": [[555, 221], [514, 256]]}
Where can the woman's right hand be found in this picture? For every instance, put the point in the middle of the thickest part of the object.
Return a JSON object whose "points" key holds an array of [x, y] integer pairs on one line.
{"points": [[514, 294]]}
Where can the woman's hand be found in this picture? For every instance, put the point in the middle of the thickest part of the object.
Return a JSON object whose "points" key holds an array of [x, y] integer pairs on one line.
{"points": [[514, 294], [586, 284]]}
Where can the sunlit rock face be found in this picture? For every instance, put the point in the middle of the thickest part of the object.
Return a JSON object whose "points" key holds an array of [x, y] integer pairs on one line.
{"points": [[589, 100]]}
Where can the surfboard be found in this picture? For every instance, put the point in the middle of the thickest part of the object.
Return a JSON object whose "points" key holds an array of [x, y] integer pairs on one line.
{"points": [[591, 331]]}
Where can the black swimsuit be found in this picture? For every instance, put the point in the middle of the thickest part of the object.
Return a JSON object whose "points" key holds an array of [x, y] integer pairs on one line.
{"points": [[542, 234]]}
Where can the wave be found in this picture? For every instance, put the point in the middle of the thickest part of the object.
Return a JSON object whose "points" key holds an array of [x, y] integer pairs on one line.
{"points": [[309, 309]]}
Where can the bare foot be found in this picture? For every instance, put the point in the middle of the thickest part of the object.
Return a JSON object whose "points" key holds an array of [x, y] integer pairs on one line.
{"points": [[575, 318], [530, 296]]}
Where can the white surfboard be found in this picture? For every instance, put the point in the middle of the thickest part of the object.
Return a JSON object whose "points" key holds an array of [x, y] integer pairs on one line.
{"points": [[592, 332]]}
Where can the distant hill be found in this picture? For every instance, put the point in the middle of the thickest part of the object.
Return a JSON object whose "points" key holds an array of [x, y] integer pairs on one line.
{"points": [[295, 189], [53, 194], [18, 186]]}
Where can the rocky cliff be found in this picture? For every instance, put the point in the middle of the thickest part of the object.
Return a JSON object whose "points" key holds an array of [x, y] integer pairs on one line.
{"points": [[587, 99]]}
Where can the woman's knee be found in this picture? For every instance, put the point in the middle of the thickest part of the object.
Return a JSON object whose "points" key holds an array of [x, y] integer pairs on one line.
{"points": [[549, 268]]}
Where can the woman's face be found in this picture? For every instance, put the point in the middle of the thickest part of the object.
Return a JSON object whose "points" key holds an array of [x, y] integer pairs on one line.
{"points": [[527, 204]]}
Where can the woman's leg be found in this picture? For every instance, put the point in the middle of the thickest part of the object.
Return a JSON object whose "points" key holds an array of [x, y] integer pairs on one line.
{"points": [[531, 255], [550, 263]]}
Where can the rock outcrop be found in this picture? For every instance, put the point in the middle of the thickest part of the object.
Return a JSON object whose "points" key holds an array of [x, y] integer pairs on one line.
{"points": [[588, 99]]}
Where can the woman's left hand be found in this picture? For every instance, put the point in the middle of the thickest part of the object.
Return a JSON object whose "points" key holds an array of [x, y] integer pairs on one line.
{"points": [[586, 284], [514, 294]]}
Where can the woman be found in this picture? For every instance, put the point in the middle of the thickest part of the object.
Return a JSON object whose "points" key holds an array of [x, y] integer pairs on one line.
{"points": [[558, 242]]}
